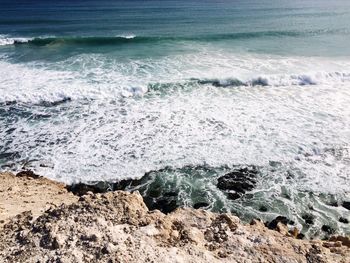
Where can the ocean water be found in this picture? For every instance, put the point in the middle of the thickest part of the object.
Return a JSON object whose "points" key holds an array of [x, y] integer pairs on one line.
{"points": [[108, 90]]}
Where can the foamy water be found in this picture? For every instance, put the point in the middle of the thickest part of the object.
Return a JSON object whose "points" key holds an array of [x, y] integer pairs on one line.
{"points": [[95, 100]]}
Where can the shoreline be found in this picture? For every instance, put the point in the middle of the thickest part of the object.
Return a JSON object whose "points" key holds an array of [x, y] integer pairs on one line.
{"points": [[42, 220]]}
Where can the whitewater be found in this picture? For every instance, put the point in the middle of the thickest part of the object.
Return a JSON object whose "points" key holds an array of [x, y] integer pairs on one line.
{"points": [[185, 93]]}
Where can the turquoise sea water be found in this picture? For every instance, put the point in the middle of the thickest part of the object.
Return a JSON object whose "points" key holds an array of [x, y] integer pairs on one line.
{"points": [[107, 90]]}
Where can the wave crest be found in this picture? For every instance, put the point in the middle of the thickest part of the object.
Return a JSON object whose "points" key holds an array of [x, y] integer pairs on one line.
{"points": [[4, 41], [265, 81], [131, 38]]}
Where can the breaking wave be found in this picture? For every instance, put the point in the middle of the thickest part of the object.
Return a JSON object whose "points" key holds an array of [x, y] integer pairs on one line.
{"points": [[4, 41], [280, 80], [131, 38]]}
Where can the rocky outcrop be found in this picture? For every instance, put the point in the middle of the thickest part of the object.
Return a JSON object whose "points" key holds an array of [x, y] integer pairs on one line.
{"points": [[118, 227]]}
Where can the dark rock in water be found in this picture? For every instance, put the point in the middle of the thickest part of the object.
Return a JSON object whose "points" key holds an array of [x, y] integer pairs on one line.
{"points": [[309, 219], [300, 236], [290, 175], [200, 205], [275, 164], [56, 103], [126, 184], [28, 173], [346, 204], [171, 194], [334, 204], [234, 196], [280, 219], [263, 208], [164, 205], [82, 189], [344, 220], [154, 198], [155, 193], [328, 229], [260, 82], [238, 182], [249, 196], [9, 155], [285, 195]]}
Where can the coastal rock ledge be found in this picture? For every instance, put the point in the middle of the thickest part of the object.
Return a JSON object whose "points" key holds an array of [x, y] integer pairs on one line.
{"points": [[118, 227]]}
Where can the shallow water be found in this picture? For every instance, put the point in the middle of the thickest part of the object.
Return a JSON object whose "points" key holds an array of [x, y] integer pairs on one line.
{"points": [[108, 90]]}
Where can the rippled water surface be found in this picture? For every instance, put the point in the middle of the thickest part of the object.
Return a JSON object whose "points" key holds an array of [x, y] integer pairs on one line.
{"points": [[187, 90]]}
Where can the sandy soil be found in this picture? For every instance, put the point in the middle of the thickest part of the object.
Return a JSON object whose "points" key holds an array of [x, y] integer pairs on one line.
{"points": [[25, 193]]}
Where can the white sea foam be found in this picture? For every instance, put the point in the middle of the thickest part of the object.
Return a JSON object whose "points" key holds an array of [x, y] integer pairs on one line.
{"points": [[4, 40], [101, 78], [118, 126], [106, 134], [127, 36]]}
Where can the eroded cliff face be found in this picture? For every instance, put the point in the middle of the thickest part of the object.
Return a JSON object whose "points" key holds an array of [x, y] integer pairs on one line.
{"points": [[118, 227]]}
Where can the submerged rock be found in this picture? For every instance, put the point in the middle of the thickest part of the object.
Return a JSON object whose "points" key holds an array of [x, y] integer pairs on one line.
{"points": [[328, 229], [81, 189], [343, 220], [263, 208], [346, 204], [333, 203], [309, 219], [154, 198], [238, 182], [234, 196], [200, 205], [164, 204]]}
